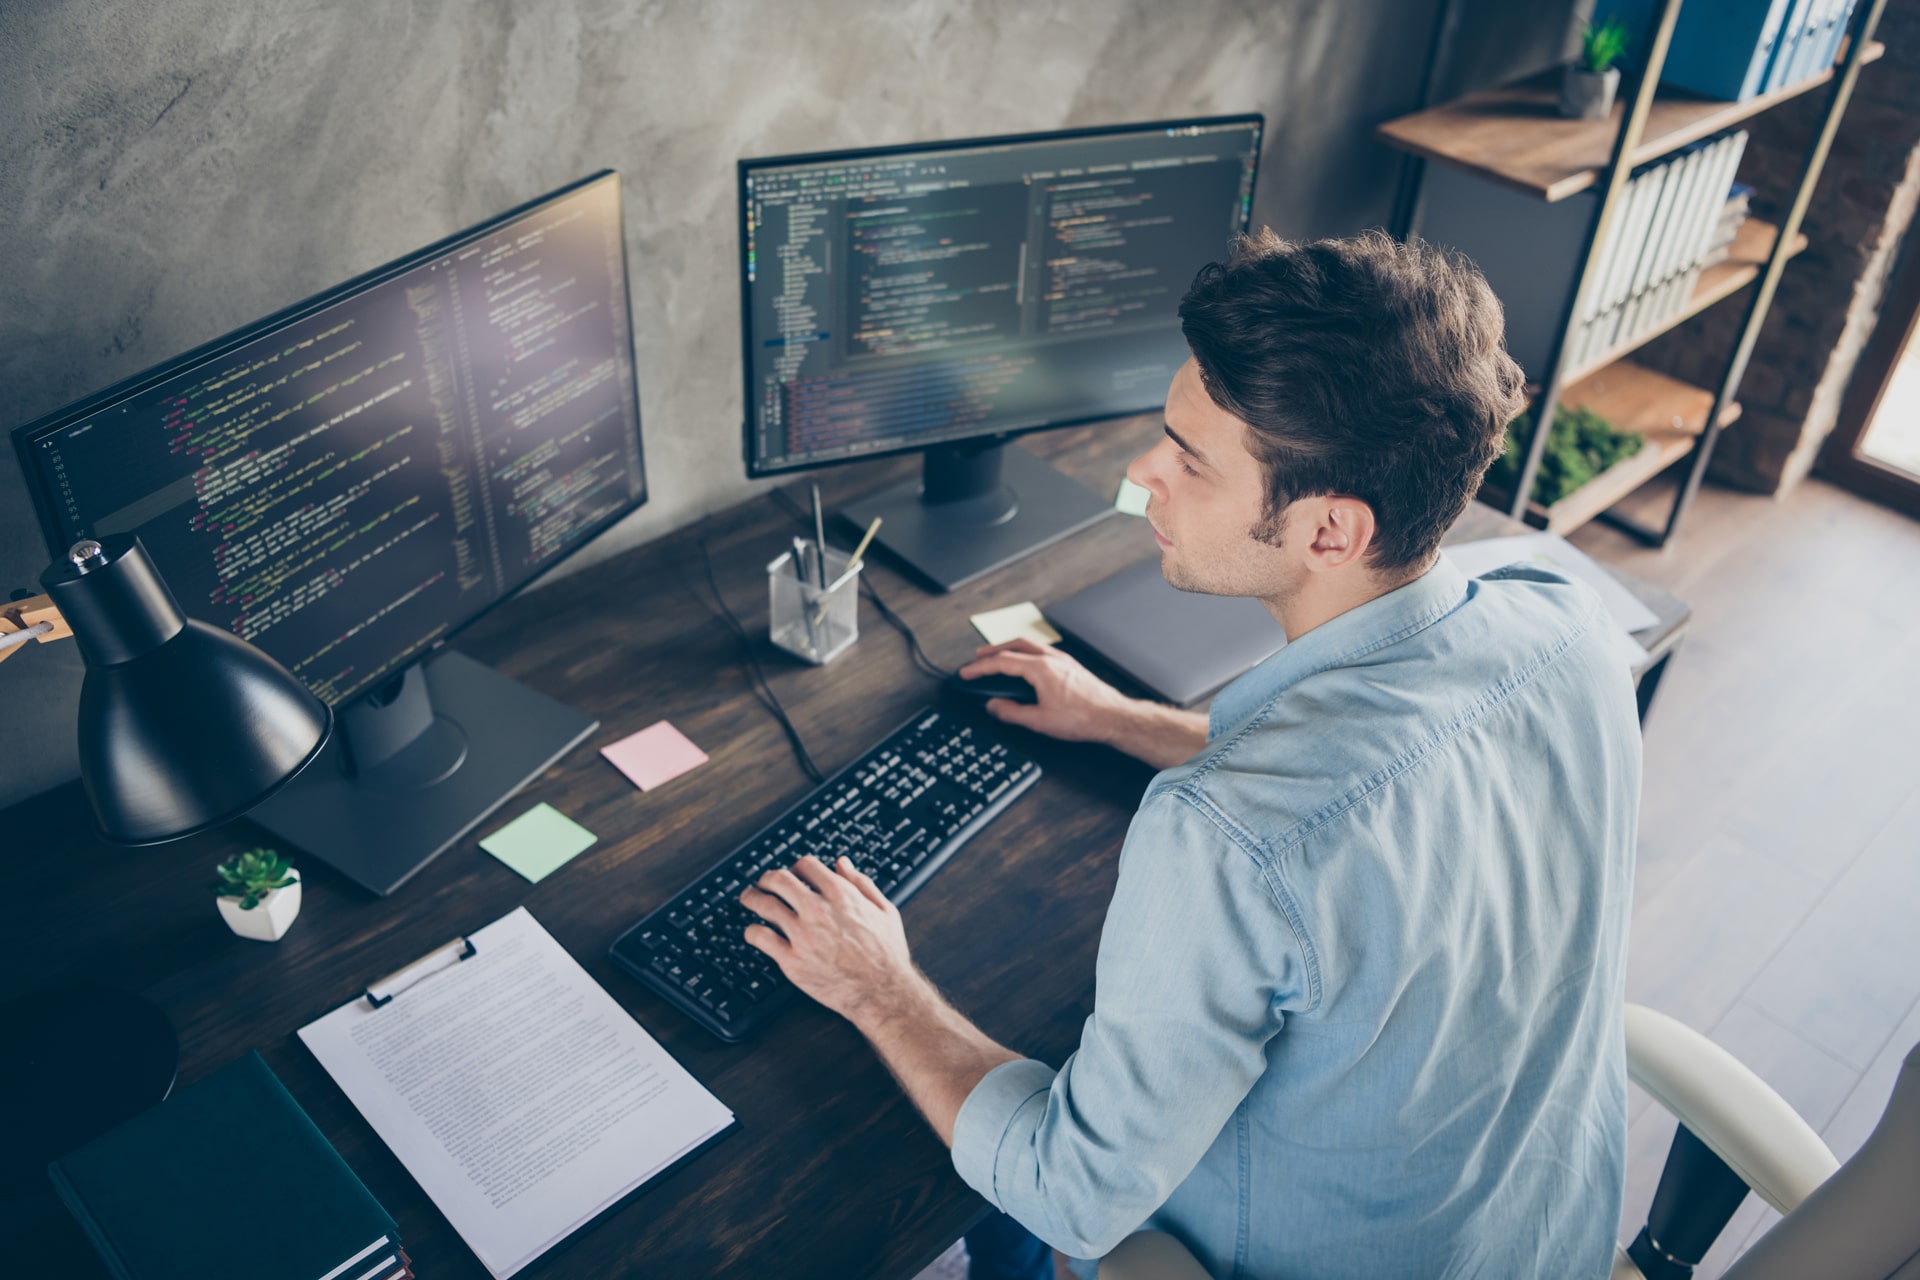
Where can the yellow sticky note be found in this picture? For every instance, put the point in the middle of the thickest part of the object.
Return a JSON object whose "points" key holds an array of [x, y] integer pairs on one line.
{"points": [[997, 626], [1131, 500]]}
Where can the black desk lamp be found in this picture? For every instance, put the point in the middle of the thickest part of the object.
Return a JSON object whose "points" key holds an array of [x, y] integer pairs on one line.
{"points": [[182, 727]]}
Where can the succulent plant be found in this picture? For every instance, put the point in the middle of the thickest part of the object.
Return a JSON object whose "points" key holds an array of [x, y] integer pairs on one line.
{"points": [[1601, 46], [252, 875]]}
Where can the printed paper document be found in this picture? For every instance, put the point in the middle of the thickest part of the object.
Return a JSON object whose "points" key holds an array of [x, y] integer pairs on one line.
{"points": [[516, 1091]]}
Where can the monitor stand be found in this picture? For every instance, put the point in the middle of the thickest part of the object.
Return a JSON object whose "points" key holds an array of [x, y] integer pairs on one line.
{"points": [[418, 764], [977, 507]]}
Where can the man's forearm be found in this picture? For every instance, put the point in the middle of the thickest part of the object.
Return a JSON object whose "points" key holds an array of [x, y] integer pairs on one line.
{"points": [[1162, 736], [935, 1053]]}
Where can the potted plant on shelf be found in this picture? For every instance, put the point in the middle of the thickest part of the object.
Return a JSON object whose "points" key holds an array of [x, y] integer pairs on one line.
{"points": [[1586, 92], [259, 894]]}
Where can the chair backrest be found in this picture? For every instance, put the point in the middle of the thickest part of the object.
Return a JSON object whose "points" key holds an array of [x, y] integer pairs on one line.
{"points": [[1863, 1223]]}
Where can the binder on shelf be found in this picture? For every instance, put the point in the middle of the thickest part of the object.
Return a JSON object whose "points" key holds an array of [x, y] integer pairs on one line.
{"points": [[1709, 195], [1720, 48], [1687, 214], [1837, 33], [163, 1194], [1762, 60], [521, 1097], [1633, 235], [1734, 147], [1650, 241], [1787, 51], [1683, 243], [1813, 41]]}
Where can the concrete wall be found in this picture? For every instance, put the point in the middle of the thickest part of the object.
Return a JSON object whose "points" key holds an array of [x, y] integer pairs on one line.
{"points": [[173, 169]]}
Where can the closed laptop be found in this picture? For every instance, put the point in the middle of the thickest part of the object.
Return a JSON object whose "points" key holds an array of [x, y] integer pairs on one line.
{"points": [[1178, 645]]}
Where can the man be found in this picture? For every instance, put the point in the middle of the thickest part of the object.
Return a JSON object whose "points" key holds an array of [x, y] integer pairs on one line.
{"points": [[1358, 995]]}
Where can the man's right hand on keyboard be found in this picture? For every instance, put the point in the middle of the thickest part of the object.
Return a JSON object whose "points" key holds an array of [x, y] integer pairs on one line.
{"points": [[1074, 705]]}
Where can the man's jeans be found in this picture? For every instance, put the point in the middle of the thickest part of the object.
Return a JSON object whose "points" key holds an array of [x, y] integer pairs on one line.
{"points": [[1001, 1249]]}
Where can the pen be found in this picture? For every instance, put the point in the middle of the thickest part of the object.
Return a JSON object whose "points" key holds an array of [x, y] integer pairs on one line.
{"points": [[819, 537], [808, 610], [854, 561]]}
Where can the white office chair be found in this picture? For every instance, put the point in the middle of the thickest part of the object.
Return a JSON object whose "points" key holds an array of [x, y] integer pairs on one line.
{"points": [[1858, 1221]]}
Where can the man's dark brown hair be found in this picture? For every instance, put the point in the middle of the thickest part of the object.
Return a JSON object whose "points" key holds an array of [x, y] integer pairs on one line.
{"points": [[1364, 367]]}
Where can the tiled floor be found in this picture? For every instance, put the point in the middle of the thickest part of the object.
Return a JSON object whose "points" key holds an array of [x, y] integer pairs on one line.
{"points": [[1775, 903]]}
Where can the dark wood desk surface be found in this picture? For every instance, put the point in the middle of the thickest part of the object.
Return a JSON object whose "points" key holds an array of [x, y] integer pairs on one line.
{"points": [[832, 1173]]}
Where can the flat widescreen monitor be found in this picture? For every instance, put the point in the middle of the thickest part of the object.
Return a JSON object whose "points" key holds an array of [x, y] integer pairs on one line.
{"points": [[945, 297], [349, 482]]}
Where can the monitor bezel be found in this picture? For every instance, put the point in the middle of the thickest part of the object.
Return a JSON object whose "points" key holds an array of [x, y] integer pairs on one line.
{"points": [[758, 470], [28, 434]]}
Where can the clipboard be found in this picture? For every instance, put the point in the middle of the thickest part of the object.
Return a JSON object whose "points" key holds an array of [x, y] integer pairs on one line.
{"points": [[523, 1099]]}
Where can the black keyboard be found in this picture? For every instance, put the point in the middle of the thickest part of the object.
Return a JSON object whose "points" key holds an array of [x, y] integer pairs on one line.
{"points": [[899, 812]]}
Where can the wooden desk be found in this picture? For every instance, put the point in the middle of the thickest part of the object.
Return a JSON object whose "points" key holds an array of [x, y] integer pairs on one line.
{"points": [[832, 1173]]}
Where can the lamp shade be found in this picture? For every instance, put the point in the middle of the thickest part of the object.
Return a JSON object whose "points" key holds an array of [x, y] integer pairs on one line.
{"points": [[183, 726]]}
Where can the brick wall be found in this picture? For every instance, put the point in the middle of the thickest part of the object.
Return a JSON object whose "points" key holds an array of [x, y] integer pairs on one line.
{"points": [[1830, 295]]}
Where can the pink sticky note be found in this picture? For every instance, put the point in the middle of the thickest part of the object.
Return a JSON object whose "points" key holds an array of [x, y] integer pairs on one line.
{"points": [[658, 753]]}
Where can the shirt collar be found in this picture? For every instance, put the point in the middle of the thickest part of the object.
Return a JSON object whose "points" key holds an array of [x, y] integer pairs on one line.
{"points": [[1379, 622]]}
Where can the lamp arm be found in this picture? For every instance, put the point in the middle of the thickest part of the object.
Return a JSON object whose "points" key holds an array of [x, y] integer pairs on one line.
{"points": [[30, 615]]}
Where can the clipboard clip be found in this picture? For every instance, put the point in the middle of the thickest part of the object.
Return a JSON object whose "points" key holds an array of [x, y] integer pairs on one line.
{"points": [[436, 961]]}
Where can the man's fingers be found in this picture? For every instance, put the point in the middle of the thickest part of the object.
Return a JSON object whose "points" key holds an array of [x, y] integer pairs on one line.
{"points": [[786, 886], [760, 936], [822, 881], [1019, 644], [766, 905], [1006, 662], [988, 664], [1024, 714], [864, 883]]}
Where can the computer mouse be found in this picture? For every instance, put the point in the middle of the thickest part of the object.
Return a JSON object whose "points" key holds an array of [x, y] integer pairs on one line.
{"points": [[993, 686]]}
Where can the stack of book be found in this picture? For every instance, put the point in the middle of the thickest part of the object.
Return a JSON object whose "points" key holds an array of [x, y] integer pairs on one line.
{"points": [[228, 1177], [1737, 49], [1646, 268]]}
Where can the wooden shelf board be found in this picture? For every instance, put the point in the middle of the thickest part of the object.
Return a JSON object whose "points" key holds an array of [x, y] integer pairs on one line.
{"points": [[1516, 136], [1751, 248], [1665, 411]]}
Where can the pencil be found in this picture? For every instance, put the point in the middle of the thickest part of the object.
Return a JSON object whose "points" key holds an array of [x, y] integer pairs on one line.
{"points": [[854, 561]]}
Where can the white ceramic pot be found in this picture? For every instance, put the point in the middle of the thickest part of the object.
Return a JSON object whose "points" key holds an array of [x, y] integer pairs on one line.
{"points": [[270, 918], [1585, 95]]}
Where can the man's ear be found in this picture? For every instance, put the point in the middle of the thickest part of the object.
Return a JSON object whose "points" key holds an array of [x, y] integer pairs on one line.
{"points": [[1343, 529]]}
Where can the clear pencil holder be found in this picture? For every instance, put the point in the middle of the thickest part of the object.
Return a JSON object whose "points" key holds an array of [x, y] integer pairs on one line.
{"points": [[808, 621]]}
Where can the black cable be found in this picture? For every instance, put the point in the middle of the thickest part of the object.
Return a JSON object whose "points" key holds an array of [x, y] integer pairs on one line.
{"points": [[757, 678], [918, 654], [920, 657]]}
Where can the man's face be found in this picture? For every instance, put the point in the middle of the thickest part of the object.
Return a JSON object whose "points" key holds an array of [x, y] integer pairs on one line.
{"points": [[1208, 498]]}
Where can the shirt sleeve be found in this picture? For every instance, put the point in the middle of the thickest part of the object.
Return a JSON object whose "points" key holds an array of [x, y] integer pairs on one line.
{"points": [[1197, 961]]}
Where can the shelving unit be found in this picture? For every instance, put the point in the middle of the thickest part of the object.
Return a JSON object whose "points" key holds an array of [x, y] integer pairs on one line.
{"points": [[1515, 137]]}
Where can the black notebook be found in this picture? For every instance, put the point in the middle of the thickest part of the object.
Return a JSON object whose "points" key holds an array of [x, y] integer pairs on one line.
{"points": [[227, 1171]]}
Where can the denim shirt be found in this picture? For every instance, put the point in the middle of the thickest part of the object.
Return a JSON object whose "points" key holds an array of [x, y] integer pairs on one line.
{"points": [[1358, 995]]}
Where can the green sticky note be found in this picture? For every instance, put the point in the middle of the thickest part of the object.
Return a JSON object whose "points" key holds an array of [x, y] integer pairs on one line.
{"points": [[538, 842], [1132, 499]]}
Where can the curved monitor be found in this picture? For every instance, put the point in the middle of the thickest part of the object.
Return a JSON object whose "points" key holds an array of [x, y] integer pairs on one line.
{"points": [[944, 297], [901, 297], [348, 483]]}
